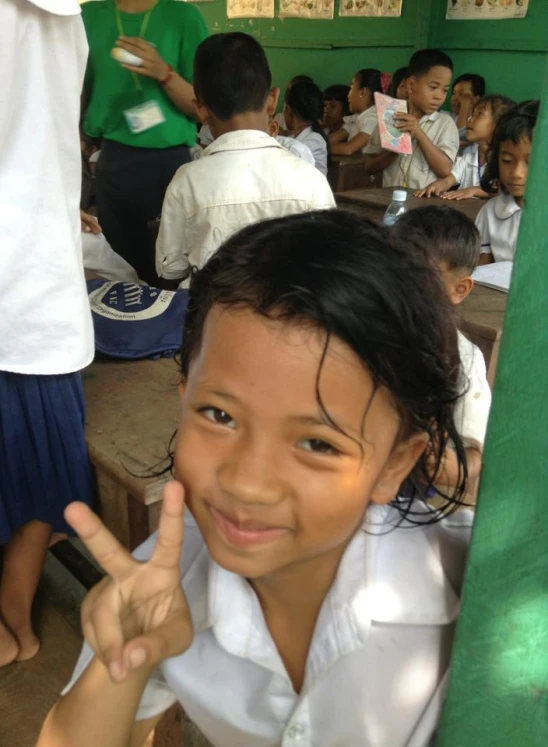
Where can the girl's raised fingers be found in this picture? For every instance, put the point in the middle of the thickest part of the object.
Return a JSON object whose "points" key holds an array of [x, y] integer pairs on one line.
{"points": [[103, 545], [107, 633], [170, 537]]}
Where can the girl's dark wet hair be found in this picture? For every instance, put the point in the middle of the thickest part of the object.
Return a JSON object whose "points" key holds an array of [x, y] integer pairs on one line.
{"points": [[518, 123], [369, 78], [305, 99], [344, 276]]}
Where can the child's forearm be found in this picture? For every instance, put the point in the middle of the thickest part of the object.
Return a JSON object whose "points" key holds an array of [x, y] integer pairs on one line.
{"points": [[379, 161], [440, 163], [96, 711]]}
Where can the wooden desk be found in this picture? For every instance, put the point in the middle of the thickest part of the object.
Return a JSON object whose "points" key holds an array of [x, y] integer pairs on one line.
{"points": [[348, 172], [372, 203], [132, 412]]}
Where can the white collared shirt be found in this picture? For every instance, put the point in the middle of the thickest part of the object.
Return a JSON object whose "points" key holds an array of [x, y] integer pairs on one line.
{"points": [[413, 171], [317, 145], [466, 169], [378, 663], [472, 408], [366, 122], [45, 320], [242, 177], [498, 224]]}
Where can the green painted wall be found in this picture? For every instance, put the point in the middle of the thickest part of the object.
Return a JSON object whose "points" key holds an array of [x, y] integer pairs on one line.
{"points": [[330, 51], [509, 54]]}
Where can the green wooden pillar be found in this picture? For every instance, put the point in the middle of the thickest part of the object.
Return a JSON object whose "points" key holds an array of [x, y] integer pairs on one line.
{"points": [[498, 695]]}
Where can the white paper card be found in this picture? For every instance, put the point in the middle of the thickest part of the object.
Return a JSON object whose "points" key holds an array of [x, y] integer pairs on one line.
{"points": [[495, 275]]}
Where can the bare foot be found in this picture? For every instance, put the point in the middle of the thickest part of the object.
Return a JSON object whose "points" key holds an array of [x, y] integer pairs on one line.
{"points": [[9, 648], [29, 645]]}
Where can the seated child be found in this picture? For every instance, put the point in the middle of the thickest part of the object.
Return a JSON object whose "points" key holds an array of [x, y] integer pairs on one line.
{"points": [[303, 112], [335, 108], [305, 602], [398, 86], [357, 129], [435, 135], [507, 168], [468, 89], [299, 149], [244, 175], [451, 242], [280, 119], [469, 168]]}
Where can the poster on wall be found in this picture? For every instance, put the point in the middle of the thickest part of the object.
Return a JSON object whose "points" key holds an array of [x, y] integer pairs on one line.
{"points": [[322, 9], [485, 10], [249, 8], [379, 8]]}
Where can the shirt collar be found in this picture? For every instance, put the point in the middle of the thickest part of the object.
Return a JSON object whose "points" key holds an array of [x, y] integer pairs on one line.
{"points": [[505, 206], [391, 573], [430, 117], [241, 140]]}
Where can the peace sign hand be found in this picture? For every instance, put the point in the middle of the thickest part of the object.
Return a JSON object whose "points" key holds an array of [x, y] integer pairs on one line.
{"points": [[153, 66], [138, 615]]}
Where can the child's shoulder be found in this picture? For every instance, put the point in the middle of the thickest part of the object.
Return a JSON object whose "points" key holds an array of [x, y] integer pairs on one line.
{"points": [[500, 207]]}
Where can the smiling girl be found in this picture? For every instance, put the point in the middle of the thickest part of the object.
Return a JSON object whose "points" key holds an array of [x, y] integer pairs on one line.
{"points": [[308, 604]]}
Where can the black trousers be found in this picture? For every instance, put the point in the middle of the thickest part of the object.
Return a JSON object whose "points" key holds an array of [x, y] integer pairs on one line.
{"points": [[131, 184]]}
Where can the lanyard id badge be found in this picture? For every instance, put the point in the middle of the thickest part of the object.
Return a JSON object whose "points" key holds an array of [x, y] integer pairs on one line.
{"points": [[144, 116]]}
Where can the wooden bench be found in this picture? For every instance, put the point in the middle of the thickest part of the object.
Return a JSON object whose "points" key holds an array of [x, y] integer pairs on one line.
{"points": [[132, 413]]}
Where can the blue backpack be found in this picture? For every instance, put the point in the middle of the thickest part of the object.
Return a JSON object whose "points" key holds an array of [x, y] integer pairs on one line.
{"points": [[136, 321]]}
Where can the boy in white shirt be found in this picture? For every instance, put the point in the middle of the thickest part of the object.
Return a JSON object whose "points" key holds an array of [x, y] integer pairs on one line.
{"points": [[435, 135], [452, 243], [244, 176]]}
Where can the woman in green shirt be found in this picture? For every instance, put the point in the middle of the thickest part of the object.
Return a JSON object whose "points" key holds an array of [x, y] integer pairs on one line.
{"points": [[142, 112]]}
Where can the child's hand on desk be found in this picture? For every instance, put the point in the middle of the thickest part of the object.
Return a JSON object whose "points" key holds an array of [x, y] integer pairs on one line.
{"points": [[138, 615], [89, 223], [466, 194], [436, 189], [407, 123]]}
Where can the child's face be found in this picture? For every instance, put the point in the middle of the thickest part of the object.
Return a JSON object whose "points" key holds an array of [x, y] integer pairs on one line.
{"points": [[428, 92], [458, 283], [481, 124], [514, 167], [462, 96], [358, 98], [272, 485], [332, 113]]}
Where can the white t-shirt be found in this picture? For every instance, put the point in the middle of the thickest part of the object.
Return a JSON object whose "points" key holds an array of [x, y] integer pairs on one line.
{"points": [[466, 169], [413, 171], [242, 177], [378, 663], [366, 122], [472, 409], [317, 145], [45, 320], [498, 224]]}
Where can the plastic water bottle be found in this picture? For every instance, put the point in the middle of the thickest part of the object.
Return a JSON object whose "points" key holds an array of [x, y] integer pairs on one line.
{"points": [[397, 207]]}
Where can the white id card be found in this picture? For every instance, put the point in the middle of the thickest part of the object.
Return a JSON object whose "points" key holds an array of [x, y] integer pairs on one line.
{"points": [[143, 117]]}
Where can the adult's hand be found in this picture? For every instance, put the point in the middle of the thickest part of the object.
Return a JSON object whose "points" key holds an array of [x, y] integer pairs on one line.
{"points": [[153, 65]]}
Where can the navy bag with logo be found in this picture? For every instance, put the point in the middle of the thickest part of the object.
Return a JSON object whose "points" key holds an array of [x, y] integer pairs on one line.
{"points": [[136, 321]]}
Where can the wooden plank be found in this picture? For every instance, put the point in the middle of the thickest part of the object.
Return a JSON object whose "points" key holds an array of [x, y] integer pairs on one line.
{"points": [[348, 173]]}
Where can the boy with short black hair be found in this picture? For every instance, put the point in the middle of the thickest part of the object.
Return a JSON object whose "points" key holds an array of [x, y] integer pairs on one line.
{"points": [[244, 176], [435, 135], [451, 241], [468, 89]]}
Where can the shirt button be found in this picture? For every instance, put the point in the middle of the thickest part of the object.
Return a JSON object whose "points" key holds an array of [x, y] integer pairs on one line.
{"points": [[296, 732]]}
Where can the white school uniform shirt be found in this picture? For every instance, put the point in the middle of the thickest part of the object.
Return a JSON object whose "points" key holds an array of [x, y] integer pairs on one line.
{"points": [[45, 320], [413, 171], [100, 257], [466, 169], [498, 224], [378, 662], [472, 408], [317, 145], [242, 177], [365, 122]]}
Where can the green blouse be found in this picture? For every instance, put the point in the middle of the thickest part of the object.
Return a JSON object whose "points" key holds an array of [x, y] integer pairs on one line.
{"points": [[176, 29]]}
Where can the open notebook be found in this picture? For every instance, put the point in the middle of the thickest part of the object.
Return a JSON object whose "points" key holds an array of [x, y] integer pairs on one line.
{"points": [[496, 275]]}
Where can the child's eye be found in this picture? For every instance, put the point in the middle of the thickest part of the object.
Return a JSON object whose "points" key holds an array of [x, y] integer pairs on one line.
{"points": [[217, 416], [318, 446]]}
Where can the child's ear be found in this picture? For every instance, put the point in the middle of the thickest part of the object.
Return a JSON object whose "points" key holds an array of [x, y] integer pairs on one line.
{"points": [[202, 111], [461, 289], [273, 128], [272, 101], [410, 84], [181, 388], [401, 461]]}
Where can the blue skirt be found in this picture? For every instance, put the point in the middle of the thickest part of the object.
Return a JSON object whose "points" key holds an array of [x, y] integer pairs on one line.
{"points": [[44, 463]]}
